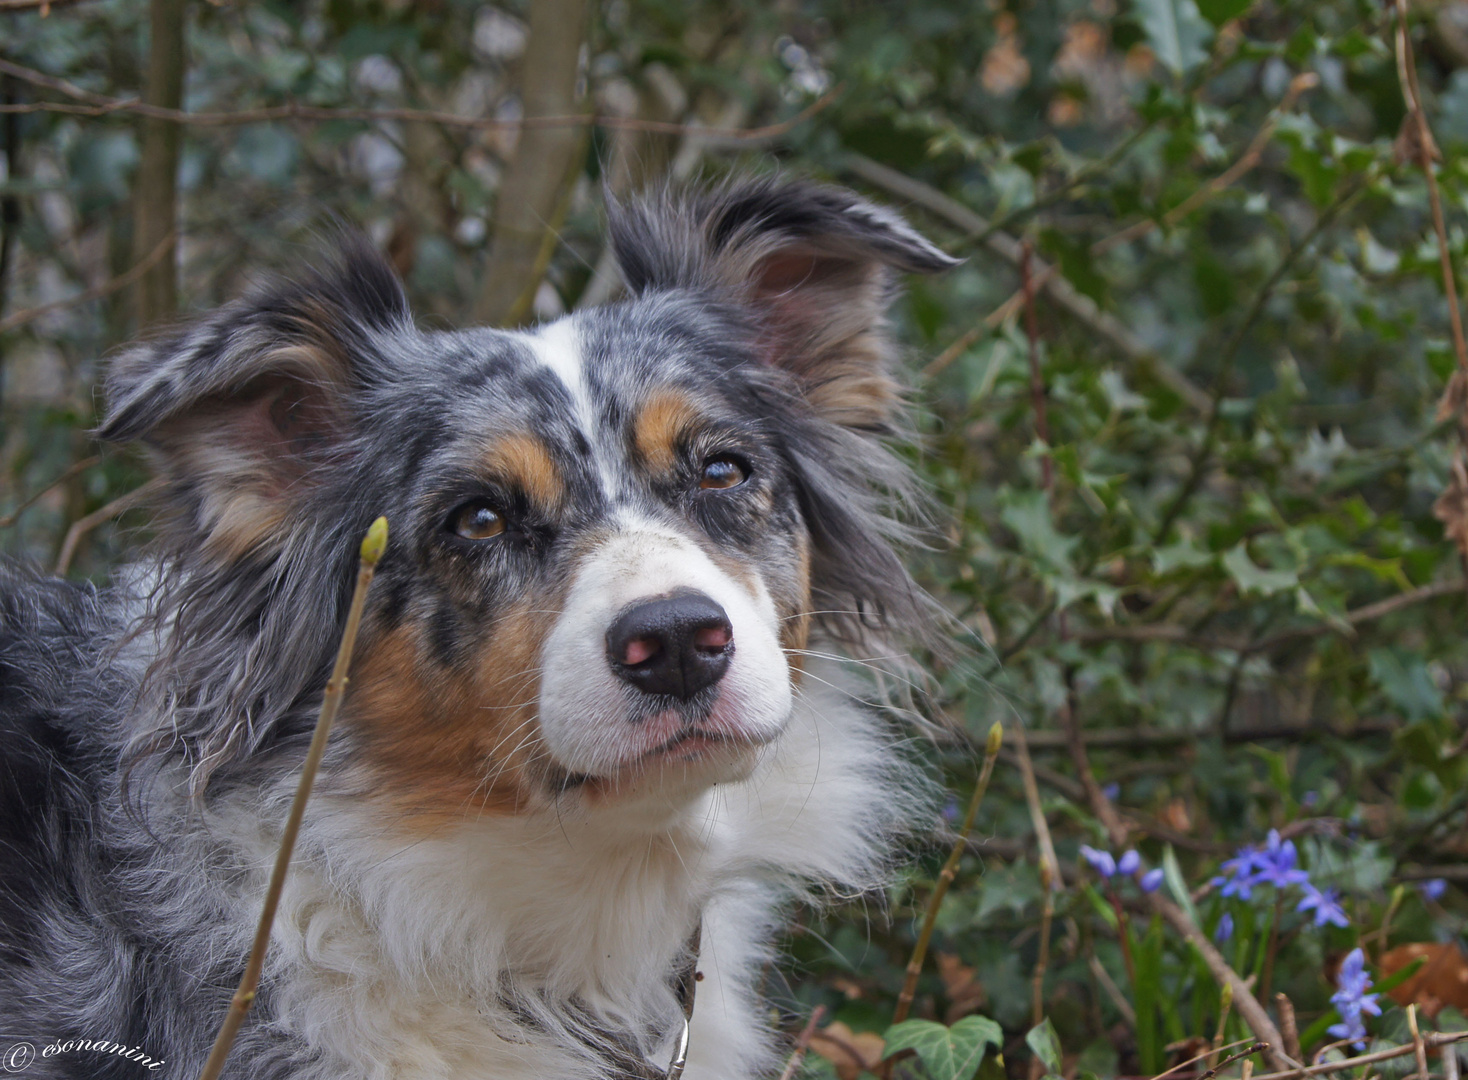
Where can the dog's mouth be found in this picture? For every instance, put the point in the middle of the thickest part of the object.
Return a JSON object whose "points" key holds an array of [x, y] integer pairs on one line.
{"points": [[719, 748]]}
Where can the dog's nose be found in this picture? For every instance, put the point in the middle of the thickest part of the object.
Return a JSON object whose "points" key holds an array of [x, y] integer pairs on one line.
{"points": [[675, 645]]}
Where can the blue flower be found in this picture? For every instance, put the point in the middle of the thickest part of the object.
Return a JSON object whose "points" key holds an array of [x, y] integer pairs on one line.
{"points": [[1111, 791], [950, 809], [1276, 864], [1433, 888], [1225, 929], [1129, 863], [1101, 861], [1151, 880], [1326, 906], [1352, 1001], [1242, 870]]}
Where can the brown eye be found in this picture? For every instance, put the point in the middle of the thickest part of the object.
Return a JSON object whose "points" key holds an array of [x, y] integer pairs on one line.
{"points": [[722, 472], [476, 521]]}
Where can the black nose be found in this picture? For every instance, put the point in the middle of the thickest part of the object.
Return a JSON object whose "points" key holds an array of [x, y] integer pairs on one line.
{"points": [[675, 645]]}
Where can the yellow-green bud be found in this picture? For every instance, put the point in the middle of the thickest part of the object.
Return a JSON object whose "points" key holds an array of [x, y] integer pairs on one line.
{"points": [[375, 542], [996, 739]]}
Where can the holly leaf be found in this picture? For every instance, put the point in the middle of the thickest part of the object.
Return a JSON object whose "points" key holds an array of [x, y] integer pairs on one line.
{"points": [[948, 1053], [1176, 31], [1219, 12], [1255, 579]]}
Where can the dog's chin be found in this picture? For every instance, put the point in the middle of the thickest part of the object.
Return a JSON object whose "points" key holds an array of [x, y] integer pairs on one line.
{"points": [[679, 768]]}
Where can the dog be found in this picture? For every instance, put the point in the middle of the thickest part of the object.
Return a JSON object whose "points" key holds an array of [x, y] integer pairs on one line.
{"points": [[596, 736]]}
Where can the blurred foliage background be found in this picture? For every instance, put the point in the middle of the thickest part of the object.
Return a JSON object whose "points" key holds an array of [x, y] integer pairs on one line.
{"points": [[1178, 410]]}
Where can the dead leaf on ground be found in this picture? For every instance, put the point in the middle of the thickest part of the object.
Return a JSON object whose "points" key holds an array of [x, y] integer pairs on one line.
{"points": [[966, 994], [1442, 980], [850, 1052]]}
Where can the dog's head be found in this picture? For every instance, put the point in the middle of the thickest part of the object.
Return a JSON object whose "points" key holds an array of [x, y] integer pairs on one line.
{"points": [[611, 535]]}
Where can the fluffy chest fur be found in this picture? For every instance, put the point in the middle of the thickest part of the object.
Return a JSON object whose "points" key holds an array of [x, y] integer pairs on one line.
{"points": [[597, 702]]}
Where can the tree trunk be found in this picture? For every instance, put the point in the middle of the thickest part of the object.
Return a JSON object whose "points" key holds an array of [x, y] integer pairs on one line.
{"points": [[155, 210], [534, 193]]}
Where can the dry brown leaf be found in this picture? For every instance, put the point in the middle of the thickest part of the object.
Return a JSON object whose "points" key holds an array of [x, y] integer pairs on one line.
{"points": [[965, 993], [1175, 815], [1443, 980], [850, 1052], [1453, 405], [1451, 507], [1407, 149]]}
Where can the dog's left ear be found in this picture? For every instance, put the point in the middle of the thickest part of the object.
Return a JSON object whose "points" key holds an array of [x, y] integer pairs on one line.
{"points": [[241, 408], [813, 264]]}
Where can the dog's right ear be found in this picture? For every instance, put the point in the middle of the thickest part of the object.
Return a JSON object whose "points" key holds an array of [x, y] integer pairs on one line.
{"points": [[239, 408]]}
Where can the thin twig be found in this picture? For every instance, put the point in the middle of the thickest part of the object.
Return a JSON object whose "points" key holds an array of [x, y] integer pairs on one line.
{"points": [[1431, 1041], [1037, 380], [1065, 295], [96, 292], [90, 104], [1254, 1048], [802, 1043], [373, 545], [1417, 1044], [1199, 1057], [83, 525], [1043, 279], [1049, 870], [946, 876], [1288, 1027], [36, 496], [1244, 1001], [1113, 991], [44, 6], [1230, 351]]}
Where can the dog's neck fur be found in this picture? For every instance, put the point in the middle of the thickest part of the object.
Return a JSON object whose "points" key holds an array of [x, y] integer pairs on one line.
{"points": [[455, 954]]}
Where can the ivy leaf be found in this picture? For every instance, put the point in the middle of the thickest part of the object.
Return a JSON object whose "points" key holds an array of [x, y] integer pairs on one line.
{"points": [[1176, 31], [1028, 514], [947, 1053], [1046, 1044]]}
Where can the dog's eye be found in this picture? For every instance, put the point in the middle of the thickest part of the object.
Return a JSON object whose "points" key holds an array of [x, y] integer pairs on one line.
{"points": [[476, 521], [723, 472]]}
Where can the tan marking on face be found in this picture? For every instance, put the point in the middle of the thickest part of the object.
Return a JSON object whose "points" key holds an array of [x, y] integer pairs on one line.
{"points": [[524, 461], [661, 423], [795, 625], [446, 744]]}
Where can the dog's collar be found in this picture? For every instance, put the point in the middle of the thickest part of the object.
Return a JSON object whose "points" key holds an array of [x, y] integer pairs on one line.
{"points": [[684, 983]]}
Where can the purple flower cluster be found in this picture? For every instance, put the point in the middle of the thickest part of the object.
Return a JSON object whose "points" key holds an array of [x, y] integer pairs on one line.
{"points": [[1128, 865], [1276, 864], [1352, 1001]]}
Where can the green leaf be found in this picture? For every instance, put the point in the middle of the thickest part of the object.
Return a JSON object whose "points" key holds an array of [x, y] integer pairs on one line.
{"points": [[1177, 33], [1172, 874], [1219, 12], [1028, 514], [947, 1053], [1406, 682], [1255, 579], [1046, 1045]]}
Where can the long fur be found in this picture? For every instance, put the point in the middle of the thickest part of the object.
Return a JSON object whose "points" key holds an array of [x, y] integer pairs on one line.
{"points": [[509, 846]]}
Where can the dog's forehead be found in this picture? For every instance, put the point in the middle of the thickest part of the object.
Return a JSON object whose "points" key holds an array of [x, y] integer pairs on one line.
{"points": [[585, 374]]}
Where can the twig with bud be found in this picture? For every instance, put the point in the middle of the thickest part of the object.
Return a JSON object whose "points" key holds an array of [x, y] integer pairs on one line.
{"points": [[373, 545]]}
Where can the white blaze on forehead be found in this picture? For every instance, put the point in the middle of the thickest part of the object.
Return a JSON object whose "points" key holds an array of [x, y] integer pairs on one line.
{"points": [[557, 345]]}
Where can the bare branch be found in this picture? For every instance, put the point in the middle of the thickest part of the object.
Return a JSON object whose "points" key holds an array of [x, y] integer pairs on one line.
{"points": [[36, 496], [1079, 306], [122, 281], [82, 526], [90, 104]]}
